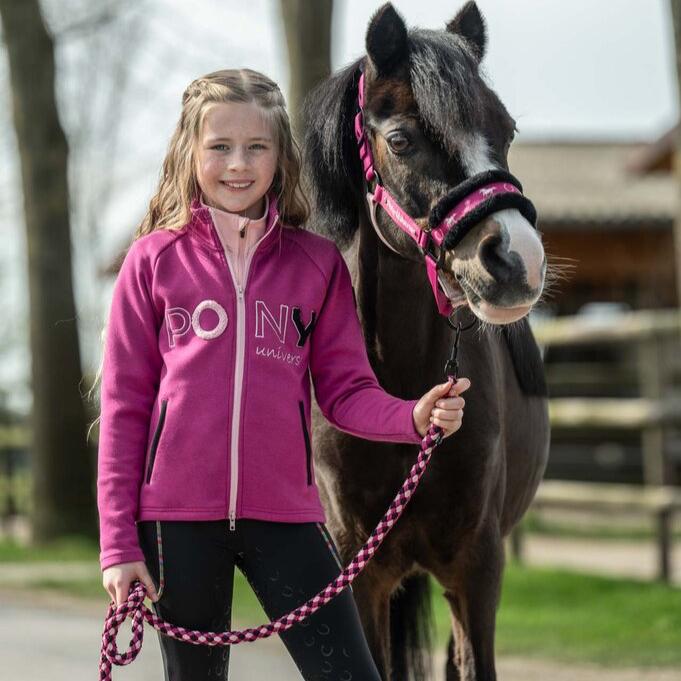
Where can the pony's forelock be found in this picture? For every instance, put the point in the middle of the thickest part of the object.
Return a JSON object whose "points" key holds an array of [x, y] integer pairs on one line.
{"points": [[446, 85]]}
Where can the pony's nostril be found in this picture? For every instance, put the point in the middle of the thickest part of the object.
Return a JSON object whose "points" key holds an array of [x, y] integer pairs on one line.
{"points": [[493, 255]]}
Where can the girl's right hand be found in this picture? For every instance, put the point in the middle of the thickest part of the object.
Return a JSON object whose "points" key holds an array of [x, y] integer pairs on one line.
{"points": [[117, 580]]}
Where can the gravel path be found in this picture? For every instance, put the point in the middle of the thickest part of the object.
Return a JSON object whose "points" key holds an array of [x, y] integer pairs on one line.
{"points": [[44, 637], [617, 558]]}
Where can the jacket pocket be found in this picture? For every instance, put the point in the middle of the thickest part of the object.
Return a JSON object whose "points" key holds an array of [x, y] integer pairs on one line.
{"points": [[156, 438], [306, 436]]}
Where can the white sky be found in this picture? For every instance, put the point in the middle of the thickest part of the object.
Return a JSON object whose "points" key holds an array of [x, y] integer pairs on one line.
{"points": [[578, 69], [564, 68]]}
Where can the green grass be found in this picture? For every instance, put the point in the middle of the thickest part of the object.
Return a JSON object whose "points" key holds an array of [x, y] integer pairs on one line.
{"points": [[581, 618], [89, 589], [74, 548]]}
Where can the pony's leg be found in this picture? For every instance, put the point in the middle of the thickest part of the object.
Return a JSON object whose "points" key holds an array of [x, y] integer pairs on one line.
{"points": [[460, 664], [473, 596], [452, 665], [372, 595]]}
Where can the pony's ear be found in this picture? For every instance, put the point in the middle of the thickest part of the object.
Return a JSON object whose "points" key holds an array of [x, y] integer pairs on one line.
{"points": [[333, 175], [386, 41], [470, 25]]}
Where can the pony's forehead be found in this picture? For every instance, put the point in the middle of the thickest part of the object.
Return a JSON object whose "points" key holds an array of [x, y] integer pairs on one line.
{"points": [[446, 84]]}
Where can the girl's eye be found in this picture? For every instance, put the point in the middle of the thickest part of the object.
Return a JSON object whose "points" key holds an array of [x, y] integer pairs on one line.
{"points": [[399, 142], [219, 147], [258, 146]]}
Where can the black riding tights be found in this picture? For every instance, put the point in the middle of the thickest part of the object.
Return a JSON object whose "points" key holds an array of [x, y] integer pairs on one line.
{"points": [[285, 564]]}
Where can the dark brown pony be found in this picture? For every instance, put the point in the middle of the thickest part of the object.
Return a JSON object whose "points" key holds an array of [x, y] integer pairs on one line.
{"points": [[432, 122]]}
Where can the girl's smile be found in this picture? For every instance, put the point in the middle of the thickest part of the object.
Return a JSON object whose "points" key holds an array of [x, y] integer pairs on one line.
{"points": [[236, 158], [238, 186]]}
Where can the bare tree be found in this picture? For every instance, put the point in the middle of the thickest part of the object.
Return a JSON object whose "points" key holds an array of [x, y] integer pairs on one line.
{"points": [[62, 465], [676, 18], [308, 37]]}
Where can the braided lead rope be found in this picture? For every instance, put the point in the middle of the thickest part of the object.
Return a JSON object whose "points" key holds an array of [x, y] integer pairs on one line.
{"points": [[135, 609]]}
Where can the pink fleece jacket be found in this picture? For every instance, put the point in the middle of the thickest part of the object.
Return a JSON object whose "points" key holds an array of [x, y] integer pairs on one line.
{"points": [[205, 403]]}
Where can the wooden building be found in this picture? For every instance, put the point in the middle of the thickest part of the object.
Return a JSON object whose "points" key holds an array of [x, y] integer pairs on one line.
{"points": [[610, 209], [607, 210]]}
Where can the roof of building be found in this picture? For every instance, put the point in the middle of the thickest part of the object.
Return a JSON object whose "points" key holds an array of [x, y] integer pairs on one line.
{"points": [[594, 183]]}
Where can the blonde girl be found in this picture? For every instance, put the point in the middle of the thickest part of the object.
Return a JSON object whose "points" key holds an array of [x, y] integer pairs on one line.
{"points": [[225, 312]]}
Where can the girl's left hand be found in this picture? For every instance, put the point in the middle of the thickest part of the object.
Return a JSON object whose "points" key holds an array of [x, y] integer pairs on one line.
{"points": [[441, 406]]}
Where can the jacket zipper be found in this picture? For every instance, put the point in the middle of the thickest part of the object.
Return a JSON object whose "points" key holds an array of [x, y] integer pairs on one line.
{"points": [[236, 401], [238, 374], [155, 439], [306, 436]]}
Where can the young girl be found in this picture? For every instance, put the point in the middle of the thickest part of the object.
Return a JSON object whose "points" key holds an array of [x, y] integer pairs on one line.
{"points": [[223, 311]]}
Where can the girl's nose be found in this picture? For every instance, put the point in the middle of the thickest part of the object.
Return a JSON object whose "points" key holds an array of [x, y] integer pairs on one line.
{"points": [[237, 159]]}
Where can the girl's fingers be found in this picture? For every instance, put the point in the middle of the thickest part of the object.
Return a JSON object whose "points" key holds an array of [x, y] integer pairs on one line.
{"points": [[461, 385], [449, 426], [121, 594], [451, 403], [145, 578], [446, 414]]}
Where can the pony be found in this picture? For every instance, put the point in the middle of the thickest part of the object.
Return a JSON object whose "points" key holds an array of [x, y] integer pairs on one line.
{"points": [[431, 123]]}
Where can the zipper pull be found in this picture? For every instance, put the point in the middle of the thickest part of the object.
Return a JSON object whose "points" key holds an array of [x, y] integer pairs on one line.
{"points": [[232, 521], [240, 292]]}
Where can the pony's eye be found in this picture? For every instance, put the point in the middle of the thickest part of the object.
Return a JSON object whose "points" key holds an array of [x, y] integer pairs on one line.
{"points": [[398, 142]]}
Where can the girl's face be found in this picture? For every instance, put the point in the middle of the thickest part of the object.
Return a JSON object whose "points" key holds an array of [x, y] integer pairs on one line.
{"points": [[236, 158]]}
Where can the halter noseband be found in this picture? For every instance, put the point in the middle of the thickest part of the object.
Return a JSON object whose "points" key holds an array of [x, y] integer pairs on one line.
{"points": [[454, 215]]}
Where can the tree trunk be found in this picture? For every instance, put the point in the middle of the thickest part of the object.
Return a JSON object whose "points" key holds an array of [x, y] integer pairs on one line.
{"points": [[308, 37], [62, 466], [676, 19]]}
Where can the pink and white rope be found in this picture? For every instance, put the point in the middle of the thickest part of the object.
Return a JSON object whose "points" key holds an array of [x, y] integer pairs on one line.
{"points": [[135, 609]]}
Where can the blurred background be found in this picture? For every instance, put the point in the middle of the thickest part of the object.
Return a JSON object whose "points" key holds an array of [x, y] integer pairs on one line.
{"points": [[89, 95]]}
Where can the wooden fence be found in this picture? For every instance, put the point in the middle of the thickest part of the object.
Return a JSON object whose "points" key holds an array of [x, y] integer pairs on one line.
{"points": [[651, 334]]}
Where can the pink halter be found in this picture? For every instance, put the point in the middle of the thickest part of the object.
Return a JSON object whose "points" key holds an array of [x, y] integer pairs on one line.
{"points": [[452, 218]]}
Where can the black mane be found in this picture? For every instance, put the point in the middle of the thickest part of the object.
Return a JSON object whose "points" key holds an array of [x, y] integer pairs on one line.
{"points": [[331, 161]]}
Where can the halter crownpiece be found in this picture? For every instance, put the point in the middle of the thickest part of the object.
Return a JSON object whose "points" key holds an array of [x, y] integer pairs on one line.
{"points": [[453, 216]]}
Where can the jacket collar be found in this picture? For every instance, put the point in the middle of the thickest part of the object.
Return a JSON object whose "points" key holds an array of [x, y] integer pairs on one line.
{"points": [[201, 224]]}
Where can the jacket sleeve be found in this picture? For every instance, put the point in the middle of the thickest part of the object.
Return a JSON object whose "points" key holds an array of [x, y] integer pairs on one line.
{"points": [[345, 385], [130, 377]]}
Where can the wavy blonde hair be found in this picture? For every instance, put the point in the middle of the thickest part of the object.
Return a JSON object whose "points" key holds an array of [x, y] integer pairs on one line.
{"points": [[170, 206]]}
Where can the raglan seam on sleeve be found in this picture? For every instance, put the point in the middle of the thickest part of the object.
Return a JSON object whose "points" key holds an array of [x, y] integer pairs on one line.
{"points": [[311, 259], [153, 259]]}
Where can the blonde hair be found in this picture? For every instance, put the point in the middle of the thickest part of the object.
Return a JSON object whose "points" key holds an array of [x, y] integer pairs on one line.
{"points": [[170, 206]]}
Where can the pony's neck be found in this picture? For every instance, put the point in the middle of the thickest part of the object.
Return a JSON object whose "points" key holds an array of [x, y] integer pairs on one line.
{"points": [[407, 340]]}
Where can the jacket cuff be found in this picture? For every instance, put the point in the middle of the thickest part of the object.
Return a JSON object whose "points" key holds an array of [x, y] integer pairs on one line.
{"points": [[110, 558], [415, 436]]}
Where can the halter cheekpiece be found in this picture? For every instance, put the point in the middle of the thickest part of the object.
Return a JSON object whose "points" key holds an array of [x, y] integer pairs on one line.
{"points": [[452, 217]]}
